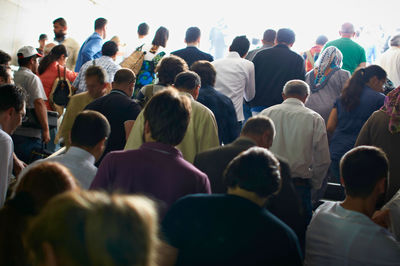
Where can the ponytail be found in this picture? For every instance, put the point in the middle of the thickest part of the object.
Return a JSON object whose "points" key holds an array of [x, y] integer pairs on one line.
{"points": [[53, 56]]}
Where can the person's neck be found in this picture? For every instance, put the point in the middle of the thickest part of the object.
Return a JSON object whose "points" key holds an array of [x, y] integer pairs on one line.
{"points": [[100, 32], [268, 44], [365, 206], [126, 91], [252, 196], [3, 124], [192, 44]]}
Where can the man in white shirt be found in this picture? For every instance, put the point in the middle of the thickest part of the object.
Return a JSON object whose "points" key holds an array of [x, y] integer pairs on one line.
{"points": [[390, 61], [342, 233], [235, 75], [300, 138], [88, 137], [12, 109]]}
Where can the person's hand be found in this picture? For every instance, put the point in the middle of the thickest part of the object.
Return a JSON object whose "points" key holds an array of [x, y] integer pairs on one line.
{"points": [[382, 218], [46, 135], [18, 165]]}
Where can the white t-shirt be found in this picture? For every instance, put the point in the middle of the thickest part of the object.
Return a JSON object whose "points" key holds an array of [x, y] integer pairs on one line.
{"points": [[337, 236], [6, 164]]}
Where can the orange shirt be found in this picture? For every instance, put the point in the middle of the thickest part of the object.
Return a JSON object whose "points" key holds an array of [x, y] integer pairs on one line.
{"points": [[50, 75]]}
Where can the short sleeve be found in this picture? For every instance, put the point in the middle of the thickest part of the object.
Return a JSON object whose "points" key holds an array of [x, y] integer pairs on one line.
{"points": [[37, 90]]}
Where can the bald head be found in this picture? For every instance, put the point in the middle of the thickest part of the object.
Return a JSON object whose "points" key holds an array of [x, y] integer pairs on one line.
{"points": [[260, 129], [347, 30]]}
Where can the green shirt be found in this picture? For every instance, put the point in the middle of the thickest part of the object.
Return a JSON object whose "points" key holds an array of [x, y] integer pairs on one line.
{"points": [[353, 53]]}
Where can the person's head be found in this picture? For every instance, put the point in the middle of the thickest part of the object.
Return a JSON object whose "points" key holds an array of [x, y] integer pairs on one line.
{"points": [[12, 107], [124, 80], [42, 182], [285, 36], [95, 78], [296, 89], [321, 40], [189, 82], [372, 76], [206, 71], [143, 30], [90, 132], [240, 45], [255, 171], [60, 28], [110, 49], [167, 116], [168, 68], [330, 58], [364, 171], [93, 228], [269, 36], [100, 26], [27, 57], [347, 30], [395, 41], [260, 129], [4, 58], [192, 35], [6, 75], [42, 40], [161, 37], [58, 53]]}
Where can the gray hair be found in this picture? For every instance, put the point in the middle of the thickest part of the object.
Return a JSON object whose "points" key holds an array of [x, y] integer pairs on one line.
{"points": [[296, 87], [395, 40]]}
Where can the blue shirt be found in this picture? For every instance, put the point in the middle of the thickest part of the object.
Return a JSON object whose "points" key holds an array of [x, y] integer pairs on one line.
{"points": [[224, 113], [91, 49], [350, 123]]}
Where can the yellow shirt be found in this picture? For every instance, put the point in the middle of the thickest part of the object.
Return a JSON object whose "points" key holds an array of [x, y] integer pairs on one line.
{"points": [[201, 134]]}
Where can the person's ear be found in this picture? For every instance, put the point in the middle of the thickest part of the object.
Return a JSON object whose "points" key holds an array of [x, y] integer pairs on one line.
{"points": [[196, 92], [284, 96], [381, 186], [342, 182], [50, 258], [267, 139]]}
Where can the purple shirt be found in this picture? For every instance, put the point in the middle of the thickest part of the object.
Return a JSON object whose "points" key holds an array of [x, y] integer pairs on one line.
{"points": [[155, 169]]}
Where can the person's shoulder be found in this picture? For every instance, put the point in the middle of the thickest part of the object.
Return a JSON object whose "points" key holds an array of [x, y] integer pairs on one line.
{"points": [[200, 108], [5, 139], [179, 51]]}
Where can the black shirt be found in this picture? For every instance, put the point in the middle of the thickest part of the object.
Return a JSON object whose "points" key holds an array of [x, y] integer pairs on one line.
{"points": [[192, 54], [273, 68], [224, 229], [117, 107]]}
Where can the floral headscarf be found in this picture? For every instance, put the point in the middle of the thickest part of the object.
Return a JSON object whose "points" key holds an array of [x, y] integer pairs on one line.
{"points": [[392, 108], [330, 58]]}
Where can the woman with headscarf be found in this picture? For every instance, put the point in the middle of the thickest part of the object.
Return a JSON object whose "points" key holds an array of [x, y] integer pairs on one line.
{"points": [[326, 81], [382, 130]]}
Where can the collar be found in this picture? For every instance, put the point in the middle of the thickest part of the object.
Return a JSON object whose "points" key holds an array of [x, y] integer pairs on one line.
{"points": [[244, 141], [187, 94], [81, 154], [233, 55], [105, 57], [21, 68], [293, 101], [162, 148], [281, 45], [191, 46], [119, 92]]}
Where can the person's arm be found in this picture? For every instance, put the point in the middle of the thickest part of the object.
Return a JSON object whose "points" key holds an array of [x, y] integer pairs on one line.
{"points": [[71, 75], [5, 157], [250, 88], [332, 121], [208, 135], [362, 65], [364, 135], [18, 165], [77, 80], [128, 124], [41, 113]]}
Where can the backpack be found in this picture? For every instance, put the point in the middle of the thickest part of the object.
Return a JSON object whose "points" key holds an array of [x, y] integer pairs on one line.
{"points": [[61, 90], [135, 61]]}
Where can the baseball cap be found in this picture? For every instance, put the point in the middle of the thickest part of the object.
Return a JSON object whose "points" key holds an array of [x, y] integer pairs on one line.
{"points": [[27, 51]]}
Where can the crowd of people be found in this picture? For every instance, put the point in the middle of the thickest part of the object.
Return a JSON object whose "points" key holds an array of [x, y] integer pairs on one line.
{"points": [[187, 160]]}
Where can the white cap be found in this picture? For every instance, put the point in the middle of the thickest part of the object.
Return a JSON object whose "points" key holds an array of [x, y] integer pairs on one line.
{"points": [[27, 51]]}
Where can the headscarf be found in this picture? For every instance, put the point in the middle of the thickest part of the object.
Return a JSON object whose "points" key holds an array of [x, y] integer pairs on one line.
{"points": [[330, 58], [392, 108]]}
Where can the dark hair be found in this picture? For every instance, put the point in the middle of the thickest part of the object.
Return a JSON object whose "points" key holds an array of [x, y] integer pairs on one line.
{"points": [[187, 80], [99, 23], [4, 58], [321, 40], [42, 37], [269, 35], [361, 168], [168, 115], [11, 96], [89, 128], [241, 45], [24, 61], [255, 170], [352, 90], [206, 71], [124, 76], [143, 29], [192, 34], [55, 53], [98, 72], [257, 125], [60, 21], [168, 68], [285, 36], [109, 48], [4, 72], [161, 37]]}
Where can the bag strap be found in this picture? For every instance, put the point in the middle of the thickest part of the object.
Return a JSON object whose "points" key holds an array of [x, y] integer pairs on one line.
{"points": [[310, 57]]}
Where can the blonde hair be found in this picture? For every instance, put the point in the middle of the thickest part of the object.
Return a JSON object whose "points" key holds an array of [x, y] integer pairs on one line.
{"points": [[92, 228]]}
